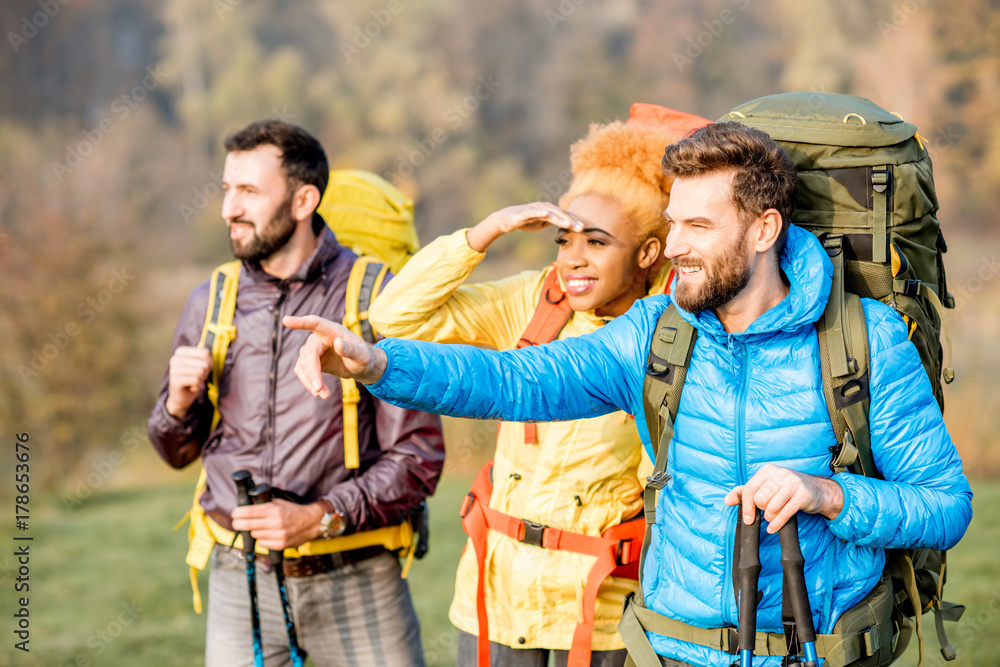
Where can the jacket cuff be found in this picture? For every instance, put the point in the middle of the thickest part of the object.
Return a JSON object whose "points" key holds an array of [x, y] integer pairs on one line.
{"points": [[850, 522], [168, 424]]}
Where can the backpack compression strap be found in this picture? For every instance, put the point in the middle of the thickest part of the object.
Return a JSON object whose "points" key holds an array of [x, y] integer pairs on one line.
{"points": [[363, 285], [219, 331]]}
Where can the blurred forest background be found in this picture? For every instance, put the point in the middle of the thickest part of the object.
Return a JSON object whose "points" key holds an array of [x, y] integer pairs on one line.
{"points": [[112, 115]]}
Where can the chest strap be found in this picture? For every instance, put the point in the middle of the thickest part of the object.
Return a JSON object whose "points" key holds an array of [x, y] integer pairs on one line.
{"points": [[616, 550]]}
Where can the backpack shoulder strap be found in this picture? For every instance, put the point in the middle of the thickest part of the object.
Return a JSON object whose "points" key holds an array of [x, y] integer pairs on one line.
{"points": [[551, 314], [218, 331], [666, 369], [363, 285], [845, 360]]}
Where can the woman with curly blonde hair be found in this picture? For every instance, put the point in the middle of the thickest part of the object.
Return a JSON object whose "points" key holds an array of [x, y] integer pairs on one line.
{"points": [[554, 521]]}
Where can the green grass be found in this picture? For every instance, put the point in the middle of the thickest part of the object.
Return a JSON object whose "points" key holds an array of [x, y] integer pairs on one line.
{"points": [[117, 547]]}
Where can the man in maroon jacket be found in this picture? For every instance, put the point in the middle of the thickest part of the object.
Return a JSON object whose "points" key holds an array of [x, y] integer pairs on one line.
{"points": [[350, 607]]}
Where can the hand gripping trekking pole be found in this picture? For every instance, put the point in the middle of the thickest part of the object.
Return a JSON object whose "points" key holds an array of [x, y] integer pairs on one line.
{"points": [[749, 571], [794, 591], [244, 483], [262, 493]]}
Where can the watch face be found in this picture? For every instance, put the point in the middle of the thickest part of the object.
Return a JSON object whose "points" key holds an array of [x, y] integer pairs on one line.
{"points": [[332, 525]]}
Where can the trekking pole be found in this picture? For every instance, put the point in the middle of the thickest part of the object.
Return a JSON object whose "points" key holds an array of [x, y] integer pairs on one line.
{"points": [[244, 483], [793, 565], [262, 493], [749, 569]]}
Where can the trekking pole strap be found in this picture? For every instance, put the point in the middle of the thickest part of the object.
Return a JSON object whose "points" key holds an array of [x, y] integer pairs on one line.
{"points": [[637, 620]]}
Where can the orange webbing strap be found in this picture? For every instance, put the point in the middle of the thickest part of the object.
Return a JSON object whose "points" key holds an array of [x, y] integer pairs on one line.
{"points": [[551, 315], [617, 553]]}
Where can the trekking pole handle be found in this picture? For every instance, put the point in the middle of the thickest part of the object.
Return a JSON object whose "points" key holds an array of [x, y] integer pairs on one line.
{"points": [[244, 483], [793, 565], [749, 569], [261, 494]]}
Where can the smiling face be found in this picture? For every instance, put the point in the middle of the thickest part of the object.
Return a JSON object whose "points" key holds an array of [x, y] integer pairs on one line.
{"points": [[607, 266], [257, 206], [708, 242]]}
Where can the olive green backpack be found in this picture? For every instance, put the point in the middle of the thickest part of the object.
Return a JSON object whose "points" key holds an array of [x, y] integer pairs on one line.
{"points": [[866, 189]]}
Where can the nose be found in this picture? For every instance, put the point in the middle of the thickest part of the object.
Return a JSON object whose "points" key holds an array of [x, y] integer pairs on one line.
{"points": [[676, 244], [232, 209], [572, 256]]}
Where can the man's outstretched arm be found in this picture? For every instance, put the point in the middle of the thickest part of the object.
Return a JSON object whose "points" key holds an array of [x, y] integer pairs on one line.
{"points": [[581, 377]]}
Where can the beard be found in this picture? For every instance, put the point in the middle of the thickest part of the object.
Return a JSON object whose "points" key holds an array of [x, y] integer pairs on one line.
{"points": [[725, 277], [270, 238]]}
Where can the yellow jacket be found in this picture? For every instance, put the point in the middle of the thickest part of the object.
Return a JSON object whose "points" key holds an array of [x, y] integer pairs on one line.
{"points": [[583, 476]]}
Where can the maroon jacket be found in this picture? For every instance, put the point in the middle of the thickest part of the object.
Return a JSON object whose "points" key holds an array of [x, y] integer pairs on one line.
{"points": [[274, 428]]}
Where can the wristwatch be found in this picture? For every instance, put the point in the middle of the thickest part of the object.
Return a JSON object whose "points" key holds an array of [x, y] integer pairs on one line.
{"points": [[332, 524]]}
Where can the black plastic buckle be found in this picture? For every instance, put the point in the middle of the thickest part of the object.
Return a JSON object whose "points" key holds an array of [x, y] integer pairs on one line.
{"points": [[833, 244], [619, 552], [911, 287], [532, 533], [658, 480], [467, 502]]}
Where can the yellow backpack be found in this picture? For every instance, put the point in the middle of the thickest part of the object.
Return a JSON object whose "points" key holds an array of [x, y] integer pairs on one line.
{"points": [[375, 220]]}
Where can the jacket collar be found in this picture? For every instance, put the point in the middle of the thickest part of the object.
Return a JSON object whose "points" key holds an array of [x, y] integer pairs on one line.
{"points": [[327, 249], [810, 275]]}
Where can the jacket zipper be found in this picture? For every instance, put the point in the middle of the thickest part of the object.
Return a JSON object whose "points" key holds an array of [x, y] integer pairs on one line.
{"points": [[741, 477], [272, 382]]}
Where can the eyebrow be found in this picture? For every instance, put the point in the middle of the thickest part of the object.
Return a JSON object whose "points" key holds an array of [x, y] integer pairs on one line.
{"points": [[697, 218], [589, 230]]}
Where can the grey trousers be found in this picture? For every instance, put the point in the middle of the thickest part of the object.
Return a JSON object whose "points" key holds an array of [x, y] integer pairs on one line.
{"points": [[507, 656], [359, 614]]}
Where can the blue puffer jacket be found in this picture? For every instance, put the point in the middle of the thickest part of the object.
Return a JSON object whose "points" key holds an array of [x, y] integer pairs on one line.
{"points": [[749, 399]]}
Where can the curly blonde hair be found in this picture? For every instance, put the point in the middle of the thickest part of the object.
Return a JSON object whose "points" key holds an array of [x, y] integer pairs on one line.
{"points": [[621, 161]]}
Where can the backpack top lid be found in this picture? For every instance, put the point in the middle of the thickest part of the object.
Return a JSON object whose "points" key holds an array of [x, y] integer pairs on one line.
{"points": [[370, 215], [823, 118]]}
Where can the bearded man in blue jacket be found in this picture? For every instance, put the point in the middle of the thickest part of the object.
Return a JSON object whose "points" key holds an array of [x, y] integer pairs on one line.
{"points": [[752, 430]]}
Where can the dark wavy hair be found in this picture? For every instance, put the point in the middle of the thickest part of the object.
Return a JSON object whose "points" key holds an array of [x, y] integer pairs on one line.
{"points": [[302, 156], [764, 174]]}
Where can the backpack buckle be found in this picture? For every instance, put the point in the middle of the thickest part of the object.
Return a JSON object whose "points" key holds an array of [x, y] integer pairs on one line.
{"points": [[658, 480], [911, 288], [531, 533], [467, 503], [623, 552]]}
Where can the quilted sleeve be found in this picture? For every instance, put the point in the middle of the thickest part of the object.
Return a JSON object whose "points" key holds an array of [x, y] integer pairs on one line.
{"points": [[925, 499], [580, 377]]}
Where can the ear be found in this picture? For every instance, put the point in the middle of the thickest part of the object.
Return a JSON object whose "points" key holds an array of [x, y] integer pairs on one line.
{"points": [[304, 202], [650, 252], [768, 228]]}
